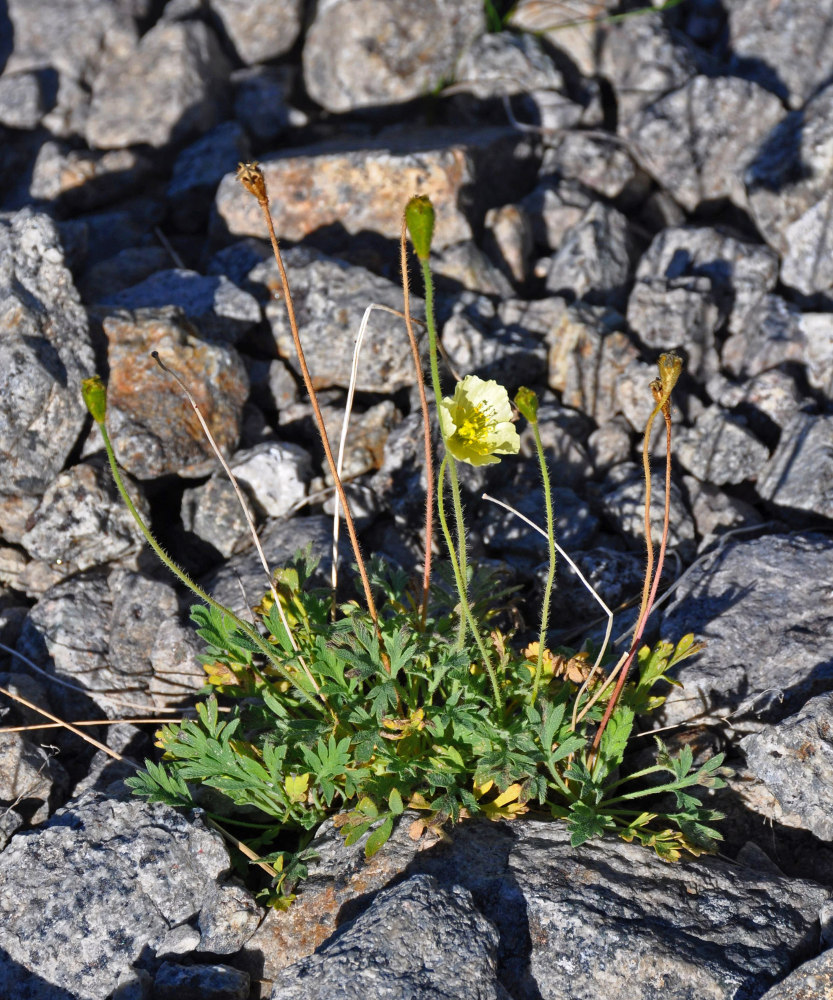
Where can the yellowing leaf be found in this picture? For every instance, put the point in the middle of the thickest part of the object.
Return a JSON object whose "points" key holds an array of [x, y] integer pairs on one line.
{"points": [[296, 787], [511, 793]]}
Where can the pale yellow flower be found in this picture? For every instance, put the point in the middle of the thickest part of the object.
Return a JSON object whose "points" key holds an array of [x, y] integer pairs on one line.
{"points": [[477, 423]]}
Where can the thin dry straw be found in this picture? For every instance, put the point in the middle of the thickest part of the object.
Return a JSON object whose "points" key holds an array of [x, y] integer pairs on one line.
{"points": [[574, 568], [248, 516], [345, 425], [123, 702], [67, 725]]}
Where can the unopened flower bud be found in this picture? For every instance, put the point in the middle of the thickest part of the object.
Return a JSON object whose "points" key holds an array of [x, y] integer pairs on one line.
{"points": [[94, 392], [419, 218], [527, 403]]}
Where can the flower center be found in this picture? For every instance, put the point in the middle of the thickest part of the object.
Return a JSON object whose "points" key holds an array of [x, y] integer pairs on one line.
{"points": [[475, 429]]}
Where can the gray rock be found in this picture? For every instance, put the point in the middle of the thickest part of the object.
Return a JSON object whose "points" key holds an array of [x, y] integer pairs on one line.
{"points": [[282, 540], [385, 51], [578, 39], [817, 334], [610, 444], [219, 310], [794, 759], [10, 823], [503, 532], [782, 46], [213, 512], [789, 190], [553, 208], [330, 298], [739, 931], [123, 270], [680, 312], [664, 63], [588, 355], [82, 522], [275, 474], [771, 396], [366, 436], [99, 235], [740, 273], [417, 939], [200, 982], [766, 621], [697, 141], [31, 780], [799, 476], [144, 868], [22, 103], [180, 940], [598, 162], [71, 42], [705, 928], [167, 90], [177, 674], [772, 335], [720, 449], [466, 265], [594, 261], [366, 188], [28, 687], [45, 352], [508, 238], [228, 918], [80, 180], [615, 576], [97, 631], [501, 64], [198, 170], [623, 501], [716, 512], [261, 30], [150, 421], [809, 980], [562, 441], [262, 100], [478, 344]]}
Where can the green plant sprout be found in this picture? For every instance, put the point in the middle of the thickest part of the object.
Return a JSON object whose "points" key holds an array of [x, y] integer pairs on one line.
{"points": [[415, 699]]}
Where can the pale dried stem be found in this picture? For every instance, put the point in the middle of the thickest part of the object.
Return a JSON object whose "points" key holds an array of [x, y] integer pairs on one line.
{"points": [[586, 583], [67, 725], [123, 702], [233, 480], [345, 424], [152, 721]]}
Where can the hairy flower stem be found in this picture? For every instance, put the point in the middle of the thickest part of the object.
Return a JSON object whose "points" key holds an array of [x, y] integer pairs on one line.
{"points": [[426, 427], [461, 558], [545, 607], [251, 177], [670, 367], [465, 608], [251, 632]]}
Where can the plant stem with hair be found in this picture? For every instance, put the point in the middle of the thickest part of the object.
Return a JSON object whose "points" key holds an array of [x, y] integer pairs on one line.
{"points": [[426, 427], [251, 177], [670, 366]]}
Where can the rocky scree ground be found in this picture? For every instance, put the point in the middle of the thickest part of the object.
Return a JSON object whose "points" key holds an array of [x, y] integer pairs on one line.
{"points": [[605, 192]]}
